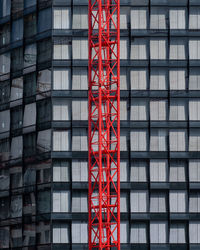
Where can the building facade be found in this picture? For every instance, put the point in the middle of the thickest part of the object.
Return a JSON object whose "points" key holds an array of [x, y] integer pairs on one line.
{"points": [[43, 124]]}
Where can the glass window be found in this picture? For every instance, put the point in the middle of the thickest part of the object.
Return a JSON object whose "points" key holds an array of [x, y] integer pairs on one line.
{"points": [[4, 179], [139, 49], [158, 170], [16, 147], [194, 18], [79, 202], [30, 55], [44, 141], [29, 143], [177, 18], [29, 235], [17, 59], [194, 109], [16, 118], [61, 171], [158, 203], [194, 170], [194, 203], [80, 78], [16, 236], [43, 111], [79, 170], [194, 232], [158, 140], [4, 149], [80, 48], [4, 63], [158, 79], [61, 140], [124, 49], [138, 79], [139, 201], [62, 51], [43, 232], [177, 79], [177, 110], [4, 34], [139, 18], [177, 49], [138, 233], [138, 172], [177, 233], [158, 110], [44, 51], [177, 201], [158, 49], [17, 6], [17, 30], [80, 109], [4, 210], [139, 140], [194, 79], [29, 115], [4, 121], [177, 171], [30, 85], [139, 109], [43, 83], [61, 233], [80, 17], [124, 171], [79, 139], [29, 3], [61, 110], [29, 175], [61, 79], [194, 140], [4, 237], [124, 18], [30, 25], [16, 206], [16, 177], [177, 140], [43, 170], [79, 232], [158, 232], [17, 89], [158, 18], [43, 202], [43, 16], [62, 18], [61, 201], [194, 49], [5, 8], [4, 92]]}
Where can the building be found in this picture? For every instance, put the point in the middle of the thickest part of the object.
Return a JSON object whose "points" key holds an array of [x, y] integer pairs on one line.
{"points": [[43, 124]]}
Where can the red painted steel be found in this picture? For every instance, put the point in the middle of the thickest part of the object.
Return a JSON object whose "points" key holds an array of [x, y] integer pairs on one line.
{"points": [[104, 124]]}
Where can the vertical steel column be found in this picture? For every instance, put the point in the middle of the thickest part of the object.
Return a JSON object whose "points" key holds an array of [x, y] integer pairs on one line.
{"points": [[104, 124]]}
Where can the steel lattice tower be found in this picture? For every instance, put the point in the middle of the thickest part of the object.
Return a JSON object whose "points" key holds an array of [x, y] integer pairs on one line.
{"points": [[104, 124]]}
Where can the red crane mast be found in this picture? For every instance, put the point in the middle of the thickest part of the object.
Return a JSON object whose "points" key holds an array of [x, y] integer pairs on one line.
{"points": [[104, 124]]}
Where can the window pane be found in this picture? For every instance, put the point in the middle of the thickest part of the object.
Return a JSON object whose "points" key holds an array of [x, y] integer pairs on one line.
{"points": [[62, 79], [43, 16], [61, 140], [177, 18], [139, 18], [62, 18], [158, 170]]}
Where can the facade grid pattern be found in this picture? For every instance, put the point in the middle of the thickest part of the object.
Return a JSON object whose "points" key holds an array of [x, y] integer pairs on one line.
{"points": [[44, 124]]}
